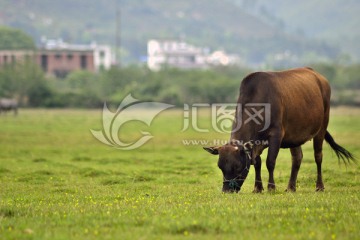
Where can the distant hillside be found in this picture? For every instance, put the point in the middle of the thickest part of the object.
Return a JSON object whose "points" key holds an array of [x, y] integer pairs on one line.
{"points": [[336, 22], [217, 24]]}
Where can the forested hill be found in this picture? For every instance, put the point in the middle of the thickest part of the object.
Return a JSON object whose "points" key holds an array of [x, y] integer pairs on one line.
{"points": [[336, 22], [217, 24]]}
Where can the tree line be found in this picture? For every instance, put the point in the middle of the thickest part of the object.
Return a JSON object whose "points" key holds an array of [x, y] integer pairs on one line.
{"points": [[26, 82], [11, 39]]}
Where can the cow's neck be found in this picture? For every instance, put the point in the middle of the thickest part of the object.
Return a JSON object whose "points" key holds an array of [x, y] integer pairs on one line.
{"points": [[245, 132]]}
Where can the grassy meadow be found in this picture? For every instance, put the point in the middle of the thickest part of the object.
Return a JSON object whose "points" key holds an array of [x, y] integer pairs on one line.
{"points": [[58, 182]]}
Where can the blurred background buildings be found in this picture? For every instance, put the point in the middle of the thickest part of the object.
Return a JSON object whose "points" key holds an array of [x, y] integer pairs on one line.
{"points": [[262, 33]]}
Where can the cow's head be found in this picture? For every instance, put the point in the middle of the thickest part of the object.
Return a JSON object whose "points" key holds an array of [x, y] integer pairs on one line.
{"points": [[234, 162]]}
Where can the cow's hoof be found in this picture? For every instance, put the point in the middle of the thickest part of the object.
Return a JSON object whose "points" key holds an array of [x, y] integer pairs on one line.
{"points": [[320, 187], [271, 190], [271, 187], [257, 190]]}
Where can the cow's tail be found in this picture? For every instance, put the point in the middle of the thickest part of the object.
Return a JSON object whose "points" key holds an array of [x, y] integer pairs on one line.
{"points": [[341, 152]]}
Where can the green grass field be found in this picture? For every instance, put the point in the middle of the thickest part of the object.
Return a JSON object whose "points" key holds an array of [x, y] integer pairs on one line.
{"points": [[59, 182]]}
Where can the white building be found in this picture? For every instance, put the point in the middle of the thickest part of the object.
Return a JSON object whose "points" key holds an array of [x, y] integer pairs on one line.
{"points": [[222, 58], [103, 58], [185, 56], [175, 54]]}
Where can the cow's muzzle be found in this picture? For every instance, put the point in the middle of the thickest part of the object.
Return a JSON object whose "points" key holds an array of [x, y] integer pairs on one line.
{"points": [[232, 185]]}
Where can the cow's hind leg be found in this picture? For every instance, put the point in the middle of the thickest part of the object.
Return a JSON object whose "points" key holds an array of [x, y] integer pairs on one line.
{"points": [[258, 188], [296, 157], [318, 142]]}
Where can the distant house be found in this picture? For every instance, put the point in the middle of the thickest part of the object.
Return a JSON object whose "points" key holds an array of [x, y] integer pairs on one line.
{"points": [[221, 58], [58, 58], [174, 54], [179, 54]]}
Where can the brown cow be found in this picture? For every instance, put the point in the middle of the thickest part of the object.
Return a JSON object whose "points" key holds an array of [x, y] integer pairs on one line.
{"points": [[298, 103]]}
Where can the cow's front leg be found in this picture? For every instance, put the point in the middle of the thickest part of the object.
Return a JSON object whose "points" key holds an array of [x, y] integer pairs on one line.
{"points": [[274, 147], [258, 188]]}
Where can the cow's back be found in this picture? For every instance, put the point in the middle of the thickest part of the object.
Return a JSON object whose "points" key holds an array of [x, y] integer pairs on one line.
{"points": [[299, 101], [6, 103]]}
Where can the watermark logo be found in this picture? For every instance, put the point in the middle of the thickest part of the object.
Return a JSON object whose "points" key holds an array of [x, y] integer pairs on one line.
{"points": [[219, 142], [259, 113], [227, 117], [224, 118], [130, 109]]}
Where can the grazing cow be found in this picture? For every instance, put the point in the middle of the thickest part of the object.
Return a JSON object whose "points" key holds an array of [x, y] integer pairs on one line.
{"points": [[298, 103], [7, 104]]}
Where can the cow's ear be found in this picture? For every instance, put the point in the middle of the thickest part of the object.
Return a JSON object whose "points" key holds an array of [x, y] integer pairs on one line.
{"points": [[212, 150]]}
